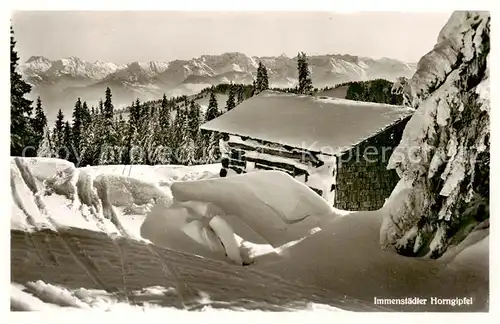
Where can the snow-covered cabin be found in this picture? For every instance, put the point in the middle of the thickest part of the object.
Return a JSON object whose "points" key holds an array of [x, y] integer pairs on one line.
{"points": [[337, 147]]}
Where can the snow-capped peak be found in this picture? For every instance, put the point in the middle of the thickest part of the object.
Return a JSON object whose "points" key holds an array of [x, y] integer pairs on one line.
{"points": [[76, 67], [148, 68], [38, 64]]}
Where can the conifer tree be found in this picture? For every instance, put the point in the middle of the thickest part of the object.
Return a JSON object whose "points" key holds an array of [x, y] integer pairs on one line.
{"points": [[78, 124], [179, 133], [68, 153], [187, 151], [254, 89], [100, 109], [240, 94], [165, 123], [305, 82], [86, 114], [121, 142], [189, 127], [95, 135], [46, 149], [58, 132], [149, 137], [88, 144], [265, 79], [212, 110], [108, 105], [262, 82], [107, 155], [135, 145], [21, 132], [131, 135], [230, 103], [194, 119], [212, 150], [39, 123], [164, 132], [211, 139]]}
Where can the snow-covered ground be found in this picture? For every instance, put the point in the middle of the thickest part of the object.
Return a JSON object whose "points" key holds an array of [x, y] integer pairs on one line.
{"points": [[266, 220]]}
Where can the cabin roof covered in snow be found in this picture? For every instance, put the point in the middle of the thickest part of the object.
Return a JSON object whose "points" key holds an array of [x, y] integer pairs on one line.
{"points": [[318, 124]]}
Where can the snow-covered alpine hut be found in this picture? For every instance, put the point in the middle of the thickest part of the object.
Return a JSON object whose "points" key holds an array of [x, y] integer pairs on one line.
{"points": [[337, 147]]}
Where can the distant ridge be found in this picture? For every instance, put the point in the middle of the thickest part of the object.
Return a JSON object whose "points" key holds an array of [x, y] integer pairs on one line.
{"points": [[60, 82]]}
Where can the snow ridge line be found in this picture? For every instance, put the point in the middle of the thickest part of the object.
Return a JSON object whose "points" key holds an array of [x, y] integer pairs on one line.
{"points": [[18, 201], [108, 209], [30, 182]]}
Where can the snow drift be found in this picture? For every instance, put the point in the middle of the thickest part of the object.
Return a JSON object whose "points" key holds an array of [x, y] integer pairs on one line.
{"points": [[345, 258], [239, 216], [443, 157], [52, 193]]}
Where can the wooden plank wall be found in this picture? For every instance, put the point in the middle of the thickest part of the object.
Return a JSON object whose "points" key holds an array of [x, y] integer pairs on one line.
{"points": [[244, 149]]}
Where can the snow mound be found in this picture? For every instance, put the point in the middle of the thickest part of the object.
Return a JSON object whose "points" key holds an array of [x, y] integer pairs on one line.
{"points": [[238, 217], [345, 258], [52, 193]]}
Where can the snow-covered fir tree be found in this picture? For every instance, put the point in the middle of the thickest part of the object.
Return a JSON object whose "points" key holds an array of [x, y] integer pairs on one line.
{"points": [[211, 139], [45, 148], [187, 151], [443, 158], [151, 127], [108, 154], [98, 144], [88, 143], [213, 152], [179, 132], [136, 130], [194, 119], [163, 135], [121, 141]]}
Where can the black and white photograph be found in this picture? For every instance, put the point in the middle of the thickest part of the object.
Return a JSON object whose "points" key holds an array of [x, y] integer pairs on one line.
{"points": [[272, 161]]}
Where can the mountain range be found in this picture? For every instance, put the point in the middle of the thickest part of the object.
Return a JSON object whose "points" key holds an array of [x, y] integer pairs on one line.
{"points": [[60, 82]]}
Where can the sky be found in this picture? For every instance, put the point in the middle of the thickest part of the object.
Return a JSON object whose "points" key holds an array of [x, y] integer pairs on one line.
{"points": [[127, 36]]}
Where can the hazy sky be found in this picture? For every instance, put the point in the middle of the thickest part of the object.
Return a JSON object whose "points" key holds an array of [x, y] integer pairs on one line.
{"points": [[123, 37]]}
